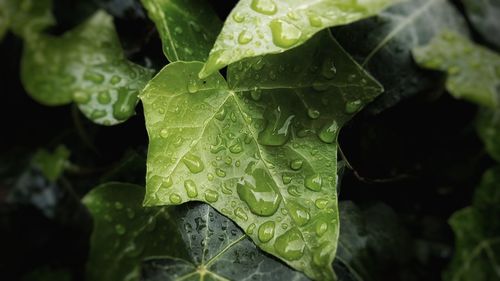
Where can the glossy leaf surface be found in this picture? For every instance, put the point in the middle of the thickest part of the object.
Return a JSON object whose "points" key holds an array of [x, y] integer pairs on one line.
{"points": [[477, 234], [187, 28], [259, 27], [255, 155], [473, 71], [484, 15], [85, 65], [383, 45]]}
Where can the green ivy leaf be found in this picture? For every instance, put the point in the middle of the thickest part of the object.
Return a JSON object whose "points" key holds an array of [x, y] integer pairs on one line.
{"points": [[190, 240], [260, 157], [52, 164], [383, 45], [29, 17], [488, 128], [473, 71], [477, 234], [125, 232], [484, 15], [259, 27], [187, 28], [85, 65]]}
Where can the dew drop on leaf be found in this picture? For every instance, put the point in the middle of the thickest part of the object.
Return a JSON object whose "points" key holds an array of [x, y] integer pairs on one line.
{"points": [[266, 231], [321, 203], [193, 163], [191, 189], [240, 213], [245, 37], [296, 164], [258, 191], [175, 198], [266, 7], [313, 182], [251, 228], [315, 20], [211, 195], [298, 212], [290, 245], [313, 113], [328, 133], [321, 228], [238, 17], [284, 34], [353, 106]]}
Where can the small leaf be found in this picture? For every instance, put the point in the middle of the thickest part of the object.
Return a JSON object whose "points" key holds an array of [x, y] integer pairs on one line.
{"points": [[383, 45], [484, 16], [473, 71], [186, 240], [187, 28], [488, 128], [52, 164], [85, 65], [477, 234], [259, 27], [260, 157], [26, 18]]}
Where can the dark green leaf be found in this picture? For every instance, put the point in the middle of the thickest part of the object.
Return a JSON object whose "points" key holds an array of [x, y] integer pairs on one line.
{"points": [[484, 15], [473, 71], [85, 65], [259, 27], [488, 128], [383, 45], [52, 164], [477, 234], [187, 28], [264, 158]]}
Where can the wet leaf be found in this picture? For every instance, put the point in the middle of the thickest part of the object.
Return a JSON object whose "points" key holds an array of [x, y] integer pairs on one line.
{"points": [[52, 164], [87, 66], [260, 157], [473, 71], [383, 45], [259, 27], [187, 28], [484, 16], [477, 234]]}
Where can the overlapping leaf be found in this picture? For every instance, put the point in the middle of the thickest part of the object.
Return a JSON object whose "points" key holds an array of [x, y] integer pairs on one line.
{"points": [[383, 45], [187, 28], [473, 71], [192, 242], [85, 65], [266, 156], [259, 27], [484, 15], [477, 234]]}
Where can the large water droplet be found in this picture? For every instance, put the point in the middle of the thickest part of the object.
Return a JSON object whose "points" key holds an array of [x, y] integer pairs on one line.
{"points": [[321, 254], [211, 196], [329, 131], [298, 212], [321, 227], [104, 97], [266, 7], [190, 188], [266, 231], [124, 106], [285, 34], [290, 245], [193, 163], [353, 106], [251, 228], [321, 203], [296, 164], [245, 37], [259, 192], [238, 17], [277, 132], [313, 182], [240, 213], [175, 198], [192, 86], [313, 113], [93, 77]]}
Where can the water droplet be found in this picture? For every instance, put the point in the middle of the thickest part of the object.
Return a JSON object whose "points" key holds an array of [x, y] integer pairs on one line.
{"points": [[81, 97], [321, 227], [120, 229], [259, 192], [313, 113], [192, 86], [93, 77], [211, 196], [290, 245], [104, 97], [296, 164], [277, 130], [313, 182], [315, 20], [321, 203], [193, 163], [298, 212], [286, 179], [190, 188], [164, 133], [285, 34], [321, 254], [178, 29], [115, 79], [236, 148], [266, 7], [96, 114], [221, 115], [266, 231], [251, 228], [294, 191], [292, 15], [245, 37], [124, 106], [353, 106], [238, 17], [226, 189], [220, 173], [175, 198], [328, 68], [240, 213], [329, 131]]}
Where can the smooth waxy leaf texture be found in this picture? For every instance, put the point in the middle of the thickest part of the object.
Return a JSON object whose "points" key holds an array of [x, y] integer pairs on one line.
{"points": [[187, 28], [473, 71], [259, 27], [87, 66], [52, 164], [193, 241], [383, 45], [265, 158], [477, 232], [484, 15], [488, 128], [125, 232]]}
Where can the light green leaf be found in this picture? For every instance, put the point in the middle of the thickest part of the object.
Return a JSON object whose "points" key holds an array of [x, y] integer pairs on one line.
{"points": [[85, 65], [477, 234], [187, 28], [192, 239], [488, 128], [383, 44], [473, 71], [29, 17], [52, 164], [260, 157], [484, 15], [259, 27]]}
